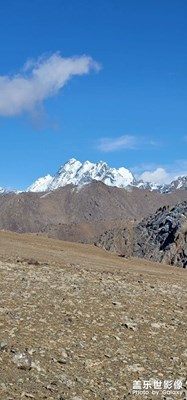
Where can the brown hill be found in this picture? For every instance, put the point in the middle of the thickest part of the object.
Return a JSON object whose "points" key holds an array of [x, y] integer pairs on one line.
{"points": [[80, 214]]}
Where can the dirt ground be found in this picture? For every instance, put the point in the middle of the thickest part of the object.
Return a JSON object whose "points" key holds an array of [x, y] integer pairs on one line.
{"points": [[79, 323]]}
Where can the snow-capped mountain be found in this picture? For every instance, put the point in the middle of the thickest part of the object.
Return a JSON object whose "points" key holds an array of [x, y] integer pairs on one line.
{"points": [[41, 184], [4, 191], [77, 173], [153, 187], [179, 183]]}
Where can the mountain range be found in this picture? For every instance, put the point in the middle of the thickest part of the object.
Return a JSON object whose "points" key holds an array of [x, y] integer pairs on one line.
{"points": [[108, 207], [4, 191], [76, 173], [81, 213]]}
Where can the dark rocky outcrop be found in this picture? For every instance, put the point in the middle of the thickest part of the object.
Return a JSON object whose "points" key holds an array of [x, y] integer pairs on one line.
{"points": [[163, 237]]}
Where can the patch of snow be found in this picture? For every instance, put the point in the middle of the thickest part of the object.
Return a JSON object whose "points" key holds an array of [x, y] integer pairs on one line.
{"points": [[41, 185]]}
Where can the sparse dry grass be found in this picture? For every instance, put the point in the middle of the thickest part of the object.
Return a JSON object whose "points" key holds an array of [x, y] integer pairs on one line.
{"points": [[92, 322]]}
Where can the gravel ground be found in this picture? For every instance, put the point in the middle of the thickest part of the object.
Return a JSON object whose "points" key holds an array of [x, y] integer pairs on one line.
{"points": [[77, 323]]}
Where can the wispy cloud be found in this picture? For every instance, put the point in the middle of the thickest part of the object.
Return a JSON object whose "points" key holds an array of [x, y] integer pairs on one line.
{"points": [[39, 80], [113, 144], [129, 142]]}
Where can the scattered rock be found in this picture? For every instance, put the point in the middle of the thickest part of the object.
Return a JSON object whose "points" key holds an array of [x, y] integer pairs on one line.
{"points": [[106, 346]]}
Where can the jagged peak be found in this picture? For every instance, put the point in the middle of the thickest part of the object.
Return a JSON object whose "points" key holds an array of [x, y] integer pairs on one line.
{"points": [[77, 173]]}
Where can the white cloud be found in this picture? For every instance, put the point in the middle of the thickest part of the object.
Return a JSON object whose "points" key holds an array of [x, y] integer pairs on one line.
{"points": [[159, 175], [39, 80], [139, 169], [122, 142]]}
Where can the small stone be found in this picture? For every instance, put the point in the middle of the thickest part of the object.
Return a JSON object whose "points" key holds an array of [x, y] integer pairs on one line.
{"points": [[107, 355], [156, 325], [88, 363], [22, 360], [67, 382], [184, 353], [136, 368], [130, 325], [62, 361], [116, 303], [63, 358], [121, 351], [64, 354], [36, 365], [117, 338], [3, 345], [80, 344], [52, 387], [61, 397], [76, 398]]}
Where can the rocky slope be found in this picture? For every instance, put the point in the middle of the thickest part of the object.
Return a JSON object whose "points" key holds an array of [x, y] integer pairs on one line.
{"points": [[162, 237], [78, 323]]}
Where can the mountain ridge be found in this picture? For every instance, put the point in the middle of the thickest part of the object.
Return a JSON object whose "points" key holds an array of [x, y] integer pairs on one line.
{"points": [[77, 173], [72, 212]]}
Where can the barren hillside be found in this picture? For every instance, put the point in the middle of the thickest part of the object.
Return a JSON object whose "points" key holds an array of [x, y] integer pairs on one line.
{"points": [[80, 213], [78, 323]]}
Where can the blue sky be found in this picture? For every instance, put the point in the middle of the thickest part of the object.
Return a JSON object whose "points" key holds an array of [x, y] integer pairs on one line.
{"points": [[103, 79]]}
